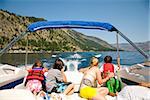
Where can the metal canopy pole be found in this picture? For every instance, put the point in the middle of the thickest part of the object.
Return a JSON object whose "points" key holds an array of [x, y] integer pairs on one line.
{"points": [[12, 43], [118, 59], [138, 49], [26, 56], [118, 55]]}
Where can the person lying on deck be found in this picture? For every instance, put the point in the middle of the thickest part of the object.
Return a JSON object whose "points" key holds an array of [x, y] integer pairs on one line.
{"points": [[88, 86], [35, 80], [56, 80]]}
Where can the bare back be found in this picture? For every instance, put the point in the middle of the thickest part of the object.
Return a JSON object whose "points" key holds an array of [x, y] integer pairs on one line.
{"points": [[90, 75]]}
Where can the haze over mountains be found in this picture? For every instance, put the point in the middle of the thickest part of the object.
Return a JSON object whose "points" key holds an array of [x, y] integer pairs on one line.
{"points": [[127, 47]]}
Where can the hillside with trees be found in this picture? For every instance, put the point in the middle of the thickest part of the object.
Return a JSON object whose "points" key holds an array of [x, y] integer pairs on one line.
{"points": [[13, 25]]}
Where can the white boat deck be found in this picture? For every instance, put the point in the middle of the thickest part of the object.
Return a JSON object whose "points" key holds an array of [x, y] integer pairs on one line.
{"points": [[20, 93], [10, 74]]}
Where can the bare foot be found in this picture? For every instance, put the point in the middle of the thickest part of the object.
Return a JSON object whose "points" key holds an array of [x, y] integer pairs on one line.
{"points": [[112, 94], [42, 94], [116, 93], [145, 84]]}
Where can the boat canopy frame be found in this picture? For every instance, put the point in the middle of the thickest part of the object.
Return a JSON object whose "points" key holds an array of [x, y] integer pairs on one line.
{"points": [[71, 24]]}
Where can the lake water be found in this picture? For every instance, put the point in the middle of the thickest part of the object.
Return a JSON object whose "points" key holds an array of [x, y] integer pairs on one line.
{"points": [[127, 58]]}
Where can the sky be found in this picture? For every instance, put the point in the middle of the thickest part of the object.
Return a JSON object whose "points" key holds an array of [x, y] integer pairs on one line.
{"points": [[131, 17]]}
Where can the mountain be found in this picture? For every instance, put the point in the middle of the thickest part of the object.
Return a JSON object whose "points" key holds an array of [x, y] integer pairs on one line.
{"points": [[58, 40], [127, 47]]}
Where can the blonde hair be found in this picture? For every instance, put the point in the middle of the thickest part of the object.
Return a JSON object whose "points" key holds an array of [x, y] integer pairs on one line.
{"points": [[94, 61]]}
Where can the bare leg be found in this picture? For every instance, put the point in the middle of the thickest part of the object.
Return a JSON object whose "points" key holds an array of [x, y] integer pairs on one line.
{"points": [[69, 89], [99, 97], [35, 93], [71, 92], [103, 91]]}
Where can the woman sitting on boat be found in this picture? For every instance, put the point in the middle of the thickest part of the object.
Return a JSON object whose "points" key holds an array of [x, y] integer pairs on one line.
{"points": [[56, 80], [35, 80], [88, 87]]}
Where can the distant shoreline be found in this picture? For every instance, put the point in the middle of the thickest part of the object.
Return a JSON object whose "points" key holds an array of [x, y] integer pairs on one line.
{"points": [[23, 51], [42, 51]]}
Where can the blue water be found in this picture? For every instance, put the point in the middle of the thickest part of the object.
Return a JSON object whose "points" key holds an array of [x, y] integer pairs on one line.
{"points": [[126, 58]]}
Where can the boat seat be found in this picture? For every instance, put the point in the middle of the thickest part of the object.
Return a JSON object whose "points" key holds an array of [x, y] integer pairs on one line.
{"points": [[22, 85], [74, 77], [17, 94]]}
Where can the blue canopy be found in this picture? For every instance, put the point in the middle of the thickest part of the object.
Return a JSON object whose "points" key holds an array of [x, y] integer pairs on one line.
{"points": [[70, 24]]}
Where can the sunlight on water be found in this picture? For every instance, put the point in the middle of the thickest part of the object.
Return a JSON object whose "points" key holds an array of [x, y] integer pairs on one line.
{"points": [[126, 58]]}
